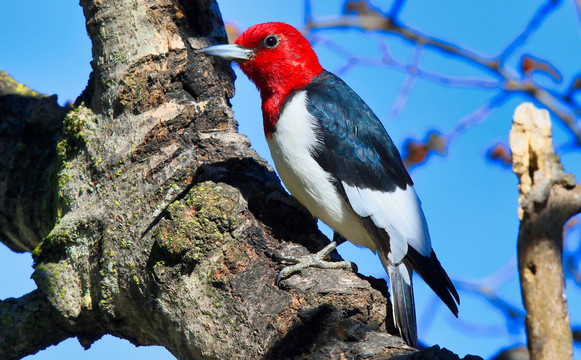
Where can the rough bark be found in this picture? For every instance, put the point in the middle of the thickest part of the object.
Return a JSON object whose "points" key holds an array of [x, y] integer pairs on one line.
{"points": [[548, 198], [30, 126], [157, 222]]}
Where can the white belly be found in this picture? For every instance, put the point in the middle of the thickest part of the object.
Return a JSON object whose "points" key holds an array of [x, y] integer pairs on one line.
{"points": [[290, 147]]}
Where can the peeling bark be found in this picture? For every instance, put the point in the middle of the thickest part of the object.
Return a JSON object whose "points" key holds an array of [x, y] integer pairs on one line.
{"points": [[548, 198], [159, 224]]}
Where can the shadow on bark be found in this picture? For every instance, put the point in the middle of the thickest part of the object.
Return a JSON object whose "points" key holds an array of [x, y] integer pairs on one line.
{"points": [[31, 126]]}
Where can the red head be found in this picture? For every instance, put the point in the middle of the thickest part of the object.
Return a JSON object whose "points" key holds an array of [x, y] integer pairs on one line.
{"points": [[277, 58]]}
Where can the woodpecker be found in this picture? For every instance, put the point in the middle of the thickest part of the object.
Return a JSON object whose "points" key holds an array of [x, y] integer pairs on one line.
{"points": [[334, 155]]}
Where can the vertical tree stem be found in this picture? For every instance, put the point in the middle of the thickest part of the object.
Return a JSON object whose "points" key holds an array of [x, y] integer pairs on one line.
{"points": [[548, 198]]}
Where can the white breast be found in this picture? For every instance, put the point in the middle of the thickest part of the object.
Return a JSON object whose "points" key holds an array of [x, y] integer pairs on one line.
{"points": [[291, 146]]}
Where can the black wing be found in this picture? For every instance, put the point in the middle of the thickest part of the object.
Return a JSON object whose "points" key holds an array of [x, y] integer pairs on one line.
{"points": [[356, 148]]}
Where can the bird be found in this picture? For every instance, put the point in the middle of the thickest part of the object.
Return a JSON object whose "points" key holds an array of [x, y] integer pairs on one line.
{"points": [[335, 157]]}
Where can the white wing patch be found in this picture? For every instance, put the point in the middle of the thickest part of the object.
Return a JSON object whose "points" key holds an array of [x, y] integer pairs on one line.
{"points": [[399, 213]]}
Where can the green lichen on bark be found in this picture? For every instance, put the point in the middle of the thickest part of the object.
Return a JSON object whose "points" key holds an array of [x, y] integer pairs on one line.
{"points": [[53, 245], [73, 137], [66, 240], [202, 221], [61, 285], [61, 263], [10, 86], [68, 146]]}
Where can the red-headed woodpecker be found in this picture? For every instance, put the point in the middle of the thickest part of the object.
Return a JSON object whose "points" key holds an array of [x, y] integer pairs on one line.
{"points": [[334, 155]]}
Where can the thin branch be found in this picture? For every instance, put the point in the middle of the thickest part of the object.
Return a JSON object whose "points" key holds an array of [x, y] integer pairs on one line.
{"points": [[407, 86], [541, 14], [403, 96], [352, 59], [489, 292], [477, 116], [407, 33], [308, 18], [395, 9], [562, 105], [488, 289]]}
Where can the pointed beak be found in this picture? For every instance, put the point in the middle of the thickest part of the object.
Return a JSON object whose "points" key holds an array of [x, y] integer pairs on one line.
{"points": [[229, 52]]}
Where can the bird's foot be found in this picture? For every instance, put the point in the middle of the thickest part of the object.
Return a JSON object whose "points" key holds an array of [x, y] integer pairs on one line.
{"points": [[312, 260]]}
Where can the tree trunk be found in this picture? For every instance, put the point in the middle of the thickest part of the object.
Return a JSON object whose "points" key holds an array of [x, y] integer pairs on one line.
{"points": [[151, 219], [548, 198]]}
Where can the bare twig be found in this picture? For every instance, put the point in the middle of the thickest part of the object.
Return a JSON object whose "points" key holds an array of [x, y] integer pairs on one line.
{"points": [[364, 17], [352, 59], [486, 288], [395, 9], [477, 116], [408, 84], [542, 13]]}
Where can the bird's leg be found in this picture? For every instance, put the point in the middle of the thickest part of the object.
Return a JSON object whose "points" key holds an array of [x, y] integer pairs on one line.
{"points": [[315, 260]]}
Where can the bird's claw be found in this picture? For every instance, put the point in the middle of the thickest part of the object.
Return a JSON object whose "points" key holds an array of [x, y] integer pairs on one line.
{"points": [[312, 260]]}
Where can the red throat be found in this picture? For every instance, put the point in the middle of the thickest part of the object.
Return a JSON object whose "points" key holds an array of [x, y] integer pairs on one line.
{"points": [[278, 71]]}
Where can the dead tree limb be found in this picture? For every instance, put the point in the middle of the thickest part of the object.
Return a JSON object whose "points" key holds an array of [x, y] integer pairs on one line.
{"points": [[548, 198]]}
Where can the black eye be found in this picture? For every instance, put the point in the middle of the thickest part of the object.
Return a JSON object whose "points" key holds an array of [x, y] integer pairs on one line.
{"points": [[271, 41]]}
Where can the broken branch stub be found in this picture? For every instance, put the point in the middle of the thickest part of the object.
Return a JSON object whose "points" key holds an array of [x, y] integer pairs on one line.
{"points": [[548, 197]]}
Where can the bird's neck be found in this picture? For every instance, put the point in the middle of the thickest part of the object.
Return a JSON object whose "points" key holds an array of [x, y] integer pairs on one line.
{"points": [[275, 92], [271, 106]]}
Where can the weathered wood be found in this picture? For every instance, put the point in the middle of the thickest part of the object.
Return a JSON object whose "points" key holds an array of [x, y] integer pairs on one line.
{"points": [[548, 198]]}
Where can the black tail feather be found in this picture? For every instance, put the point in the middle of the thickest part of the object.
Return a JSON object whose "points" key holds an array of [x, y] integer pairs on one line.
{"points": [[402, 296], [430, 269]]}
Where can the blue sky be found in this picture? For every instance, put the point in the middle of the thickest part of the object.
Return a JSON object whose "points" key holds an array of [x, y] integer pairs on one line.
{"points": [[470, 204]]}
